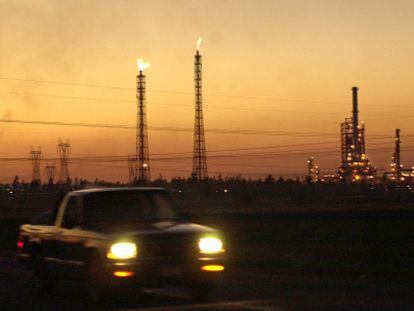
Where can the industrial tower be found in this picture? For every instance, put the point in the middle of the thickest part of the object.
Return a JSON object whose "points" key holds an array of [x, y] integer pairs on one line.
{"points": [[355, 166], [142, 170], [396, 166], [50, 172], [313, 170], [199, 154], [36, 156], [398, 174], [63, 151]]}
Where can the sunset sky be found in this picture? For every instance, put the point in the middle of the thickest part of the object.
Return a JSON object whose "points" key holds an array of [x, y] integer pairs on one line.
{"points": [[276, 73]]}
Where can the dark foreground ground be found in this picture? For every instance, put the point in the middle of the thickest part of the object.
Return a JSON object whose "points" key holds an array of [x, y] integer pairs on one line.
{"points": [[354, 260], [240, 290]]}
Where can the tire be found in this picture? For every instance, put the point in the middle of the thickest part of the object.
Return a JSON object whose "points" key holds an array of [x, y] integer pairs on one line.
{"points": [[94, 274], [47, 283], [94, 267], [203, 292]]}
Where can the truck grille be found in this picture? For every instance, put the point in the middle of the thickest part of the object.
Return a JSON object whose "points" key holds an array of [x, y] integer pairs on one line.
{"points": [[168, 247]]}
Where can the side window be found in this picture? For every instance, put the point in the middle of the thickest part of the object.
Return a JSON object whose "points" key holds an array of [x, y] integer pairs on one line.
{"points": [[45, 218], [73, 213]]}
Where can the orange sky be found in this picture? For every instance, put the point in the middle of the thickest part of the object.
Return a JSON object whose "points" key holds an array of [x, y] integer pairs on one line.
{"points": [[282, 66]]}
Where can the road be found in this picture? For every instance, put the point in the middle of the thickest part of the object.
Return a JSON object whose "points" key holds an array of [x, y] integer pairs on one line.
{"points": [[241, 290]]}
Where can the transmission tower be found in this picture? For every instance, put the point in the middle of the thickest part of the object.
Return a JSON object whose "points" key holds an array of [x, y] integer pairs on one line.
{"points": [[63, 151], [50, 172], [199, 153], [36, 157], [143, 168]]}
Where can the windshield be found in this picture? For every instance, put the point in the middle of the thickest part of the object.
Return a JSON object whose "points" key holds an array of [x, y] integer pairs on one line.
{"points": [[127, 207]]}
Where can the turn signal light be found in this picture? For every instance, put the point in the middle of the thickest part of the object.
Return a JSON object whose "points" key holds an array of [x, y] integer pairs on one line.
{"points": [[212, 268], [123, 274]]}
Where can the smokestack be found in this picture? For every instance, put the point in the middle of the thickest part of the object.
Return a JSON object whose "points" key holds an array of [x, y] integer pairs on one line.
{"points": [[355, 121], [397, 155]]}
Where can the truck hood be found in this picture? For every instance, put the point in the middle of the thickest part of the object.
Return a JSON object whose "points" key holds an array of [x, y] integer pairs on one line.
{"points": [[163, 228]]}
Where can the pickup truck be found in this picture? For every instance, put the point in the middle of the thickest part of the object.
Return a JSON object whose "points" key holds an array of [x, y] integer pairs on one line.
{"points": [[122, 237]]}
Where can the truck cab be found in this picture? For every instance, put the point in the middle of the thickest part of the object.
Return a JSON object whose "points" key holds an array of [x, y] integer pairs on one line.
{"points": [[122, 237]]}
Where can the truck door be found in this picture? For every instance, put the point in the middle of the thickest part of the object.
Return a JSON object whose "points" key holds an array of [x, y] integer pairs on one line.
{"points": [[51, 244], [71, 239]]}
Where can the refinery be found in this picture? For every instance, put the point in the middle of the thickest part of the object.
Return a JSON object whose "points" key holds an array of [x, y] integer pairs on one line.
{"points": [[355, 166], [206, 155]]}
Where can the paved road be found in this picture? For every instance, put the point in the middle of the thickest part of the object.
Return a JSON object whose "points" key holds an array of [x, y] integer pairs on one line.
{"points": [[241, 290]]}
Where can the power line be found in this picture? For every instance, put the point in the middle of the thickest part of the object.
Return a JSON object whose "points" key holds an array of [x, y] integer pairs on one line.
{"points": [[190, 106], [165, 91], [176, 129], [68, 97], [214, 172], [116, 158], [229, 150], [169, 104], [123, 157], [283, 154], [68, 83], [192, 94]]}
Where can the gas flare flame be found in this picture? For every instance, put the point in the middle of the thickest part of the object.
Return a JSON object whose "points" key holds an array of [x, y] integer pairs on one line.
{"points": [[199, 43], [142, 65]]}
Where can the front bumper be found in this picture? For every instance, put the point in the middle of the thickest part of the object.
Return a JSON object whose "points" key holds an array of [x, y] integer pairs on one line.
{"points": [[157, 271]]}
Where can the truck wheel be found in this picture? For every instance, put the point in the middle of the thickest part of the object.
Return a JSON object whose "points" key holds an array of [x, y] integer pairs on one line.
{"points": [[95, 267], [94, 276], [203, 292], [40, 269]]}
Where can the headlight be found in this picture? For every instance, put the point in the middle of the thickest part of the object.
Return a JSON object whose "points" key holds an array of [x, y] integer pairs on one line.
{"points": [[122, 250], [210, 245]]}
